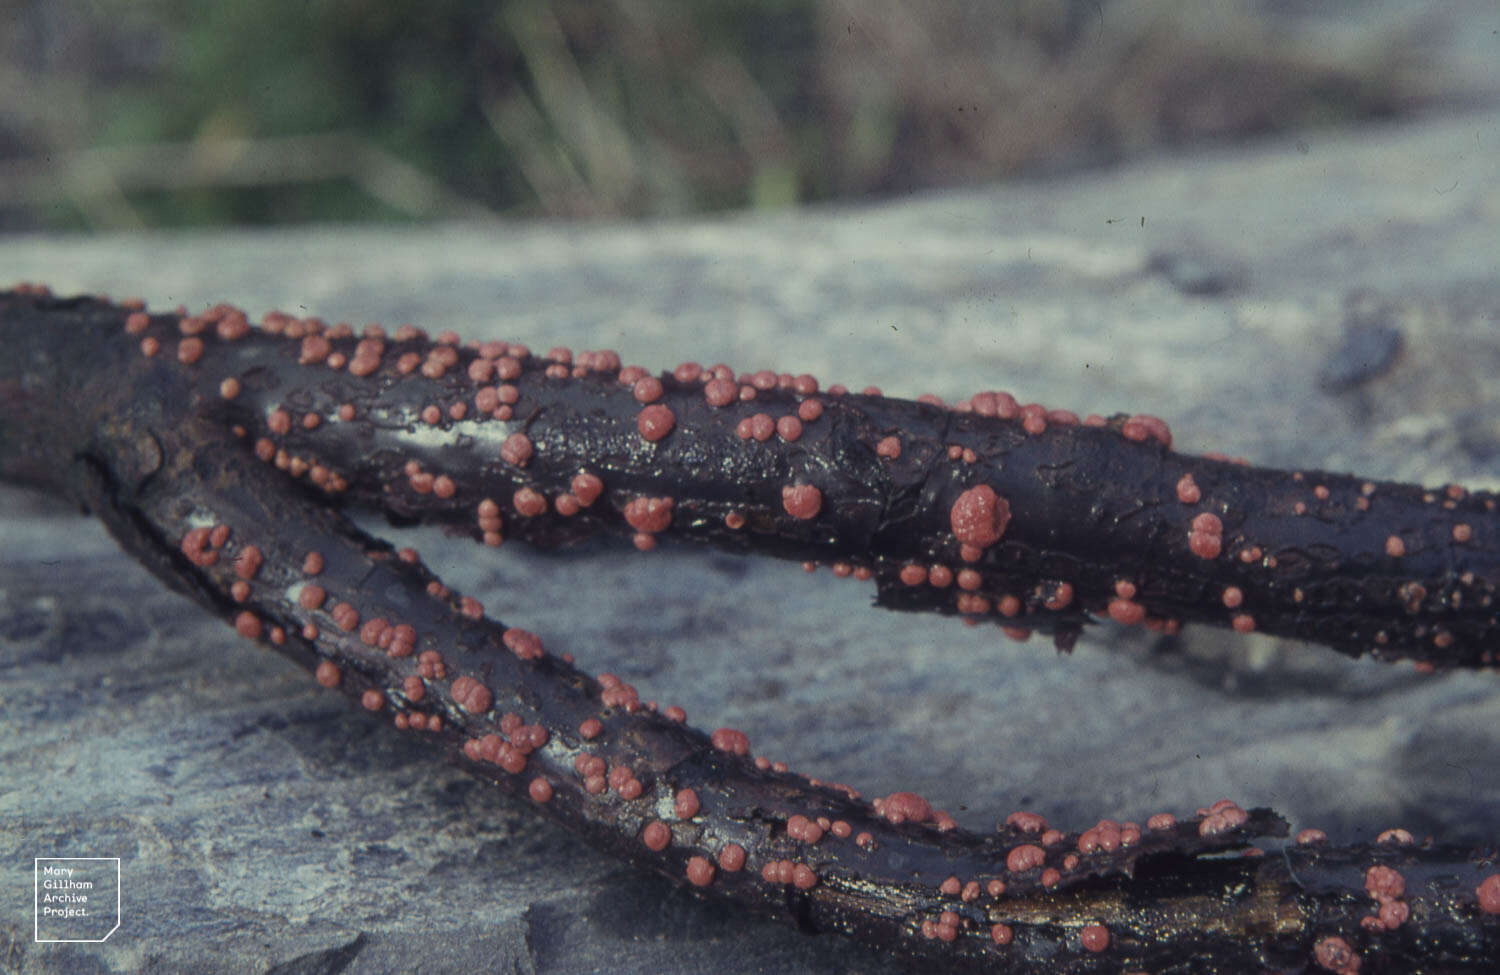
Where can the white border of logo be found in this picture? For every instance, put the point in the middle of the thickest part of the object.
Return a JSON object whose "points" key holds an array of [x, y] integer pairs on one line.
{"points": [[36, 901]]}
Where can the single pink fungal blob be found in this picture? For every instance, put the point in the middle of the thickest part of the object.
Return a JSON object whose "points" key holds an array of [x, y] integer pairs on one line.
{"points": [[979, 516]]}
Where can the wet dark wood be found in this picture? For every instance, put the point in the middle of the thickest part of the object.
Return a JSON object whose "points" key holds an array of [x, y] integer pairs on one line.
{"points": [[152, 450]]}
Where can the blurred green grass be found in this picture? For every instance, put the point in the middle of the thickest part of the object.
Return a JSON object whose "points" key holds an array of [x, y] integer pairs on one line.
{"points": [[138, 113]]}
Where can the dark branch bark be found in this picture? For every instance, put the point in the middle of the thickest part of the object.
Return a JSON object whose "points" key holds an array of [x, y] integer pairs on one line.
{"points": [[170, 449], [1089, 521]]}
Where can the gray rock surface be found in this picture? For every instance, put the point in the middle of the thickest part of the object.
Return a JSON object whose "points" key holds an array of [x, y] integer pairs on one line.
{"points": [[265, 827]]}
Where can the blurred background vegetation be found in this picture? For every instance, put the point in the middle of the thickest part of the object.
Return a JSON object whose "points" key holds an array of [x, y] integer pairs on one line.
{"points": [[132, 113]]}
